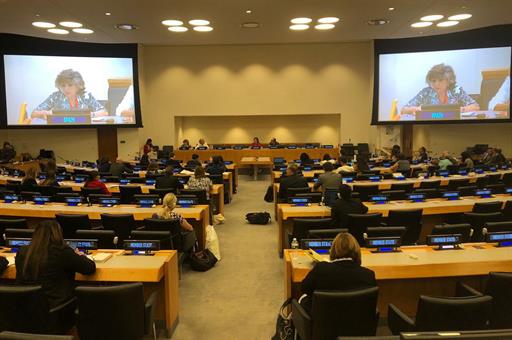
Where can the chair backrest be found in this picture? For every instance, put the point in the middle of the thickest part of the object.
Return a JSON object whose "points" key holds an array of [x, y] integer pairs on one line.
{"points": [[121, 224], [487, 207], [16, 187], [95, 198], [411, 219], [429, 193], [507, 211], [61, 196], [385, 232], [468, 190], [494, 178], [164, 237], [200, 195], [316, 197], [105, 237], [478, 221], [499, 286], [326, 233], [85, 192], [18, 233], [507, 179], [481, 182], [29, 195], [344, 313], [492, 227], [23, 309], [454, 184], [446, 314], [365, 191], [162, 192], [497, 188], [115, 312], [301, 226], [394, 195], [217, 179], [172, 226], [46, 190], [358, 223], [70, 223], [18, 223], [111, 179], [407, 187], [128, 191], [63, 190], [28, 336], [291, 192], [430, 184], [464, 229]]}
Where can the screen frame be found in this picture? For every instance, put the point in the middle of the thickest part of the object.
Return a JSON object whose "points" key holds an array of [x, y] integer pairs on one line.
{"points": [[465, 40], [13, 44]]}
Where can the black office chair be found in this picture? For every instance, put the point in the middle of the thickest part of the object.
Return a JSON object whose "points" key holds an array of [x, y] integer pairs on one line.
{"points": [[384, 232], [162, 192], [411, 219], [429, 193], [46, 190], [348, 174], [301, 226], [116, 312], [481, 182], [86, 192], [464, 229], [292, 192], [493, 227], [70, 223], [316, 197], [507, 211], [164, 237], [365, 191], [18, 223], [179, 239], [499, 286], [468, 190], [337, 313], [217, 179], [106, 238], [478, 222], [427, 184], [29, 195], [26, 309], [384, 337], [325, 233], [507, 179], [454, 184], [27, 336], [358, 223], [494, 178], [498, 188], [443, 314], [453, 169], [95, 198], [18, 233], [394, 195], [127, 192], [487, 207], [121, 224], [111, 179], [407, 187], [15, 187], [199, 194], [61, 196]]}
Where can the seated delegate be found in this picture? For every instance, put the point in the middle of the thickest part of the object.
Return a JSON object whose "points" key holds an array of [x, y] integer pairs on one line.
{"points": [[202, 144], [118, 168], [344, 272], [194, 162], [168, 180], [29, 182], [344, 206], [216, 166], [256, 143], [273, 143], [402, 165], [199, 181], [291, 180], [328, 179], [94, 182]]}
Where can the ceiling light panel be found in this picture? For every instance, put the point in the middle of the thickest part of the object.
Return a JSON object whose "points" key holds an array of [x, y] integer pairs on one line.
{"points": [[433, 17], [172, 22], [199, 22], [447, 23], [43, 24], [299, 27], [324, 26], [58, 31], [299, 21], [177, 29], [70, 24], [421, 24], [458, 17], [328, 20], [203, 28]]}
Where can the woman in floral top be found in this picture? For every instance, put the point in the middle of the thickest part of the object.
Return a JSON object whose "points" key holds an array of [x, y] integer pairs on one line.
{"points": [[200, 182]]}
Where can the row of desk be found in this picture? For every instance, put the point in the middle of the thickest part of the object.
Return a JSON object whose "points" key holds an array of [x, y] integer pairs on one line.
{"points": [[157, 273]]}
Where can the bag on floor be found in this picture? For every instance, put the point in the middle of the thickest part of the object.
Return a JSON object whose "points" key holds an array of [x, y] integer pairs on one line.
{"points": [[284, 325], [269, 195], [218, 219], [258, 218], [212, 241], [203, 260]]}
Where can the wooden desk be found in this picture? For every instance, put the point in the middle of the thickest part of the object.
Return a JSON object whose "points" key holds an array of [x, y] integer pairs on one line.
{"points": [[157, 273], [22, 166], [198, 216], [256, 162], [402, 278], [433, 209]]}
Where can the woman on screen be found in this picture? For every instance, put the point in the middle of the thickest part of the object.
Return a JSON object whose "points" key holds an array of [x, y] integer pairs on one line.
{"points": [[442, 89], [71, 95]]}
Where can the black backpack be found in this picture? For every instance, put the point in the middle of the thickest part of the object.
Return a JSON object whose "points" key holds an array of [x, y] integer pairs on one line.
{"points": [[203, 260], [258, 218], [269, 195]]}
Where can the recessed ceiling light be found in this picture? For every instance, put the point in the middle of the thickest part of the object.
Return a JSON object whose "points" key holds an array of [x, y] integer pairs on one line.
{"points": [[447, 23], [203, 28], [82, 30], [377, 22], [126, 27], [43, 24], [71, 24], [248, 11], [108, 13], [250, 25], [328, 20], [199, 22], [324, 26], [299, 21], [299, 27], [177, 28], [58, 31], [460, 17], [172, 22], [433, 17], [421, 24], [391, 8]]}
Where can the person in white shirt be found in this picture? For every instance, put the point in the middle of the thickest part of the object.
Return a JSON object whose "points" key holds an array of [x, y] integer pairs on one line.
{"points": [[126, 107], [202, 144], [502, 96]]}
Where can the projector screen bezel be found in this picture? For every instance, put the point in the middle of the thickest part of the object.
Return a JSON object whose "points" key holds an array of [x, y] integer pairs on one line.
{"points": [[488, 37], [13, 44]]}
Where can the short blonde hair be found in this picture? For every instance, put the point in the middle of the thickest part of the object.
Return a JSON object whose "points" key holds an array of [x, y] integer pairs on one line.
{"points": [[441, 71], [168, 205], [70, 76], [344, 246]]}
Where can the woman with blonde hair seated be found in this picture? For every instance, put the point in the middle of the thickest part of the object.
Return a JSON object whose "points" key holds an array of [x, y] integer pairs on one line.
{"points": [[343, 272]]}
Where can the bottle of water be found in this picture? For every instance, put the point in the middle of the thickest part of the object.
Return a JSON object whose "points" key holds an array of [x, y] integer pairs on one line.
{"points": [[295, 243]]}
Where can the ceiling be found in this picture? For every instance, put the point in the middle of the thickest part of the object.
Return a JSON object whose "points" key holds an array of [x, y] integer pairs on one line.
{"points": [[226, 17]]}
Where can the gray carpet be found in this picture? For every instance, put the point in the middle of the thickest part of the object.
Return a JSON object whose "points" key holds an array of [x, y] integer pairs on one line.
{"points": [[239, 298]]}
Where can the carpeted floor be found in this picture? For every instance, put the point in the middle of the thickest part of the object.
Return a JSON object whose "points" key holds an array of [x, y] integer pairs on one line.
{"points": [[239, 298]]}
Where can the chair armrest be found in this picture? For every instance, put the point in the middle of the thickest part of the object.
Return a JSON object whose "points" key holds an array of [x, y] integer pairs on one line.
{"points": [[462, 290], [100, 227], [398, 322], [140, 228], [149, 312], [301, 321], [68, 304]]}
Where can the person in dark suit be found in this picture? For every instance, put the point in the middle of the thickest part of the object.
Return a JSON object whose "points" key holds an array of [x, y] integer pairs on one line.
{"points": [[119, 167], [29, 181], [168, 180], [216, 167], [305, 160], [49, 262], [104, 164], [346, 205], [291, 180], [344, 272], [173, 162], [3, 264], [194, 162]]}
